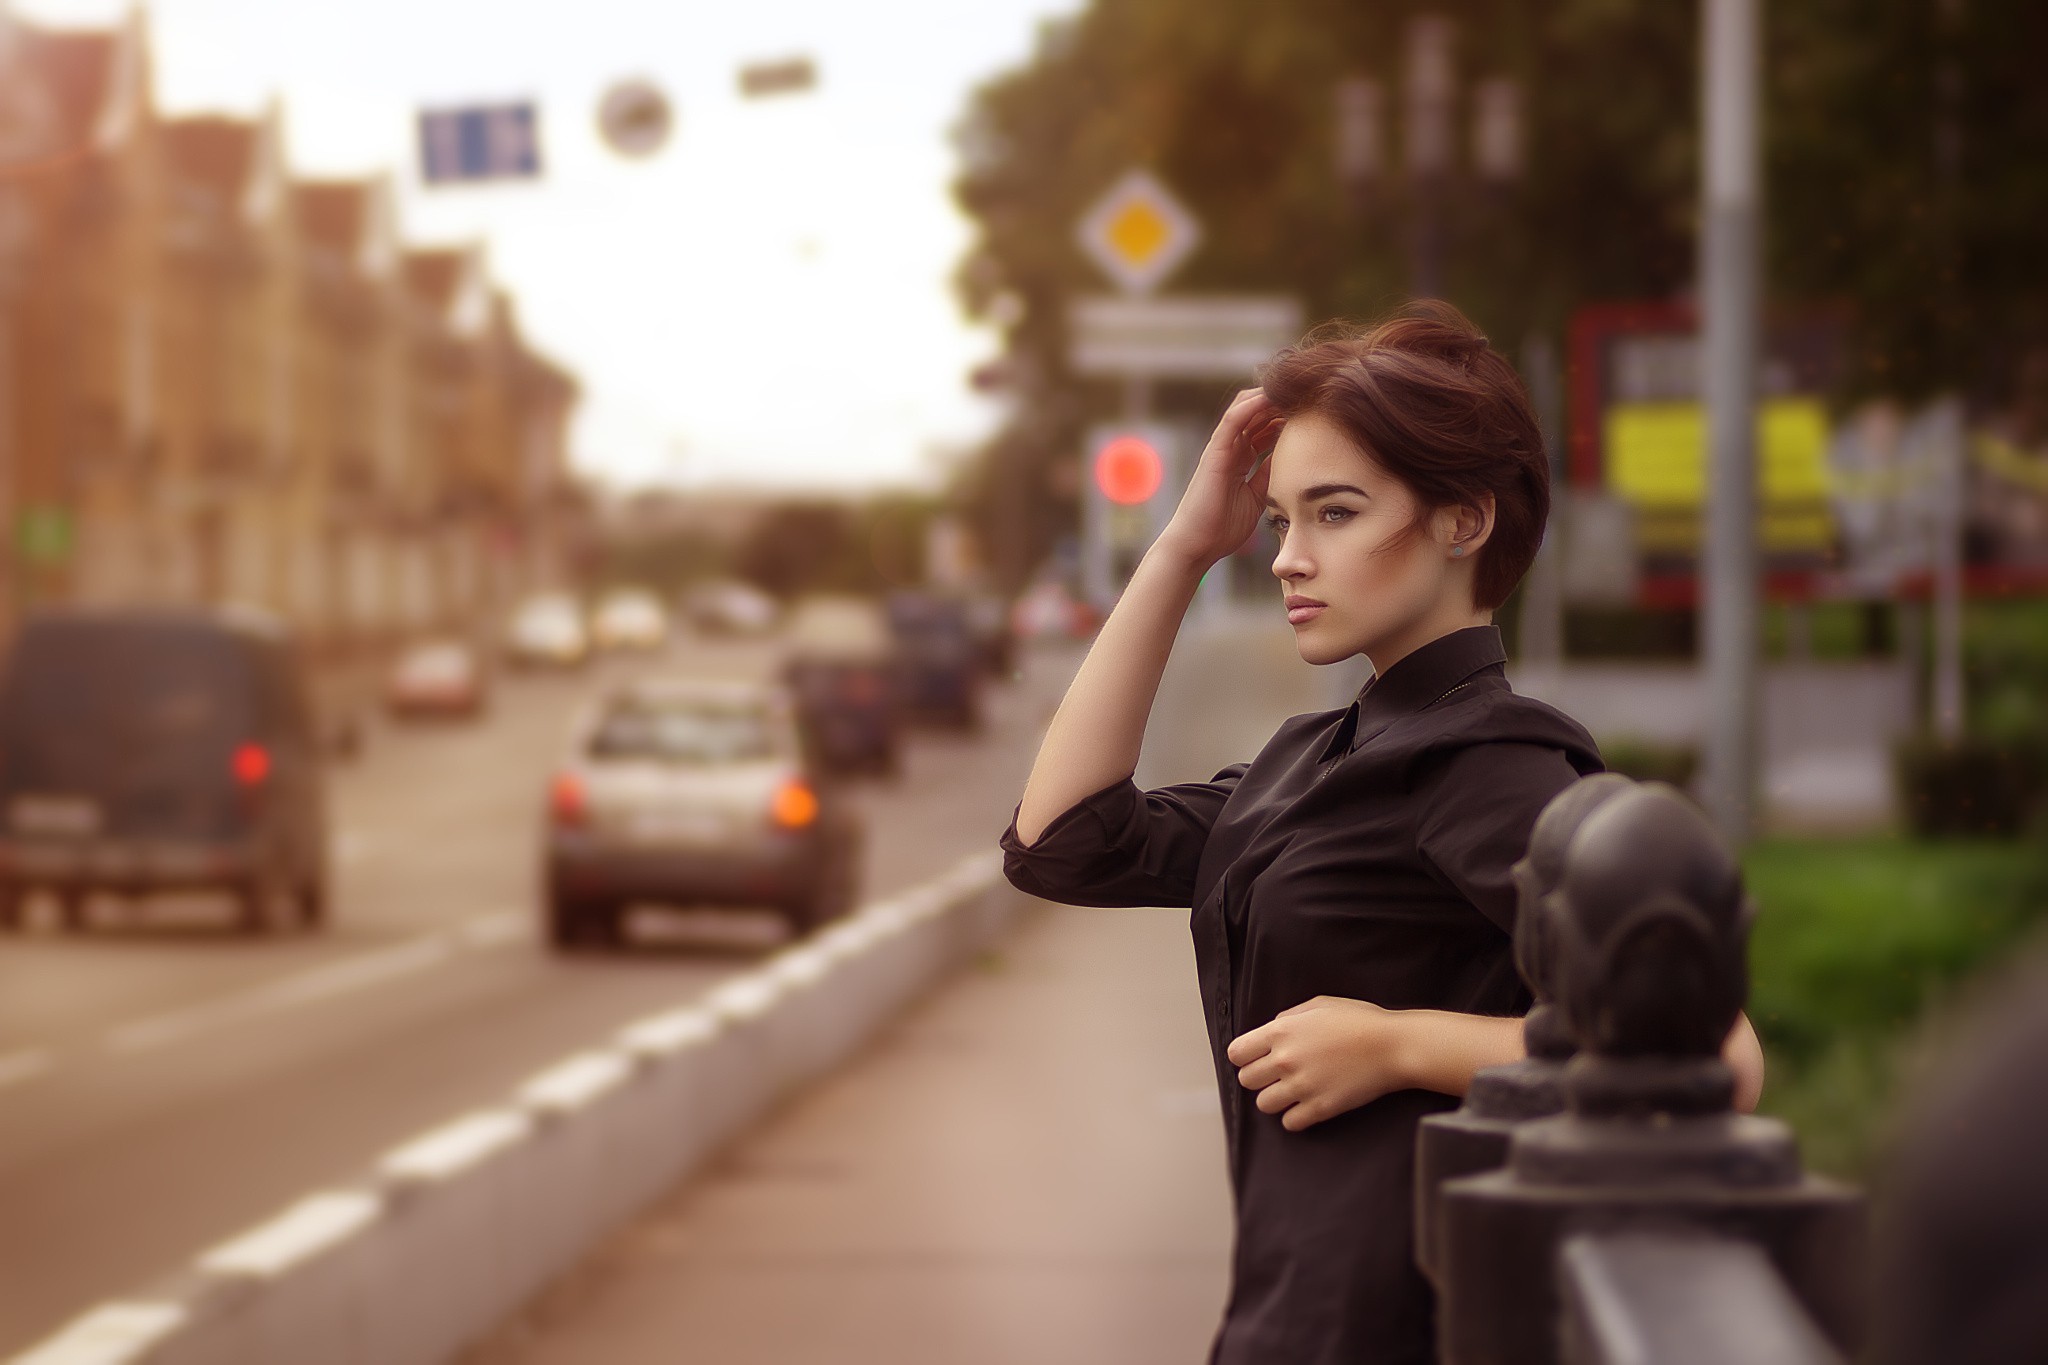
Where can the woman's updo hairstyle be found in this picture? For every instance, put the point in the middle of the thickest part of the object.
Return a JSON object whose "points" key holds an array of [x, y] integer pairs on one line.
{"points": [[1425, 398]]}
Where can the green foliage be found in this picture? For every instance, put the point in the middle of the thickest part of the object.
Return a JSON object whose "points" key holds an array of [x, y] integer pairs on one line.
{"points": [[1648, 761], [1857, 946]]}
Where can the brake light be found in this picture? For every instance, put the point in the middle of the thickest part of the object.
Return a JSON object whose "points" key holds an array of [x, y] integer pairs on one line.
{"points": [[795, 805], [250, 764], [568, 801]]}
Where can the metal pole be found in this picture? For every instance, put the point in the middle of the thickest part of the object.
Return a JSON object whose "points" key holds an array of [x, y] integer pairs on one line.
{"points": [[1729, 305], [1541, 633]]}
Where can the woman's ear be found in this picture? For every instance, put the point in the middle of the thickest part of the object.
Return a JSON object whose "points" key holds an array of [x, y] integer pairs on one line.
{"points": [[1466, 527]]}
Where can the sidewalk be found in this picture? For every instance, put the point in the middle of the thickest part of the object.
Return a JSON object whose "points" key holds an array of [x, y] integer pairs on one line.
{"points": [[1028, 1168]]}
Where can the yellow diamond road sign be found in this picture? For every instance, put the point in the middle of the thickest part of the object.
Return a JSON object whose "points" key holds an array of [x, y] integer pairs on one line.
{"points": [[1138, 233]]}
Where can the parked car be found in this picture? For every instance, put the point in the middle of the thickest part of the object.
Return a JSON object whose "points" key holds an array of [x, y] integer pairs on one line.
{"points": [[841, 664], [156, 750], [437, 678], [547, 632], [988, 616], [692, 792], [629, 619], [730, 607], [940, 661]]}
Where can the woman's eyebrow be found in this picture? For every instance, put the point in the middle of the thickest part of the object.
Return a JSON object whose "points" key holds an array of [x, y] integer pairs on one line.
{"points": [[1317, 492]]}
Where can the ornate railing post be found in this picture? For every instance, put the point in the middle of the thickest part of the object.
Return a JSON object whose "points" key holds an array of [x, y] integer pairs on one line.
{"points": [[1644, 932], [1474, 1137]]}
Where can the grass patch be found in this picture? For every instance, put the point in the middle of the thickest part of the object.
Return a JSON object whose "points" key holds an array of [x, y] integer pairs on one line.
{"points": [[1858, 945]]}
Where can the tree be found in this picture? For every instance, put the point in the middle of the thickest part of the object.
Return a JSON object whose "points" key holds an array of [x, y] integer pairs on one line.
{"points": [[1231, 102]]}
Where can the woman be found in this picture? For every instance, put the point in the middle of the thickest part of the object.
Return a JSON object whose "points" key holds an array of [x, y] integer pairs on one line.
{"points": [[1351, 886]]}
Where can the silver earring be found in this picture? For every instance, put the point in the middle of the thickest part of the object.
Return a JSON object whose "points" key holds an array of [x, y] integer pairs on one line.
{"points": [[1457, 550]]}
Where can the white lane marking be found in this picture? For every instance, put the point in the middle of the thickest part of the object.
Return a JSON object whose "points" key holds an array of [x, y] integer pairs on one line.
{"points": [[25, 1065], [107, 1335], [324, 982], [300, 1233], [456, 1146]]}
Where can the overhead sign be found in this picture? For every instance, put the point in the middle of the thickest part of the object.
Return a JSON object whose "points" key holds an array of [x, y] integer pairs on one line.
{"points": [[1138, 233], [784, 77], [1214, 336], [635, 118], [479, 142]]}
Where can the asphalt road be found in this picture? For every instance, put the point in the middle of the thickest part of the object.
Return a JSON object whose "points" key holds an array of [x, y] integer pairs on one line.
{"points": [[165, 1083]]}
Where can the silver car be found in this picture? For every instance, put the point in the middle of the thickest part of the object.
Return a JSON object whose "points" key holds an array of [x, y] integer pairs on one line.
{"points": [[693, 792]]}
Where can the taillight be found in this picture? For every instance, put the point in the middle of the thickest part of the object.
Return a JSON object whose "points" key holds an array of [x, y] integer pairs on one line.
{"points": [[568, 801], [795, 805], [250, 764]]}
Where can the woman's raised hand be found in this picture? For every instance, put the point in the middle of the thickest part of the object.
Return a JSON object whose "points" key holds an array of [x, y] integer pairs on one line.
{"points": [[1221, 507]]}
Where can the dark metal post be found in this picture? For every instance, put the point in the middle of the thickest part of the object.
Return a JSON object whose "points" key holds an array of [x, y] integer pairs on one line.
{"points": [[1647, 929], [1474, 1137]]}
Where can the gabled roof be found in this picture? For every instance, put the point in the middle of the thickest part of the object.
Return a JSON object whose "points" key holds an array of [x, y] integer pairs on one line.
{"points": [[332, 213], [76, 68], [433, 276], [217, 153]]}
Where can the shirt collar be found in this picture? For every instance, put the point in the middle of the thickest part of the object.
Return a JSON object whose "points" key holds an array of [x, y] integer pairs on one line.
{"points": [[1419, 680]]}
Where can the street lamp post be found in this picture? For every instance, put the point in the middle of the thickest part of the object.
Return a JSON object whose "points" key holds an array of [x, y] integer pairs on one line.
{"points": [[1729, 305]]}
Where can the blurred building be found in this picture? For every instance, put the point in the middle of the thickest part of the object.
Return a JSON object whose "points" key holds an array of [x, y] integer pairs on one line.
{"points": [[220, 383]]}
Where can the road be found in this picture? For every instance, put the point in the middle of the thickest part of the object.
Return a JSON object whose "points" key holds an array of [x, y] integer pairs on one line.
{"points": [[165, 1083]]}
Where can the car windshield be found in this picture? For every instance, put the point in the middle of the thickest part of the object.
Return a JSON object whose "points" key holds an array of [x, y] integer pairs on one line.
{"points": [[694, 732]]}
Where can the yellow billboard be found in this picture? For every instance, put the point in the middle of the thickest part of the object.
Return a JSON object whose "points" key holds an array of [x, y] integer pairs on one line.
{"points": [[1656, 460]]}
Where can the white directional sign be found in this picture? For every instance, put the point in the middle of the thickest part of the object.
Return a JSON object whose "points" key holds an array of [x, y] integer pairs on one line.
{"points": [[1189, 336], [1138, 233]]}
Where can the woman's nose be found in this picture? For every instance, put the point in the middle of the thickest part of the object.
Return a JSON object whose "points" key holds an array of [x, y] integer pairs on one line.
{"points": [[1289, 564]]}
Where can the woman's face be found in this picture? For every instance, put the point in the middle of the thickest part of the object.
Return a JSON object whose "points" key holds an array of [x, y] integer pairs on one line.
{"points": [[1357, 578]]}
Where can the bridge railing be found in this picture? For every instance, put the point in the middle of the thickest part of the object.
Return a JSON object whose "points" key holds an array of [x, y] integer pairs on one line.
{"points": [[1601, 1203]]}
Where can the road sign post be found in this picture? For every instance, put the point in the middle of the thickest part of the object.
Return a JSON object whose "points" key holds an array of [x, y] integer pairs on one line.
{"points": [[1139, 234]]}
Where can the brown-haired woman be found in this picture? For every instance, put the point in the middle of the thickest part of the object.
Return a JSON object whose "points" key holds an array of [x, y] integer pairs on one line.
{"points": [[1353, 907]]}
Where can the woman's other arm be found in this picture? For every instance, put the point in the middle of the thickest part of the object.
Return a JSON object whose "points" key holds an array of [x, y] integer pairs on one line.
{"points": [[1329, 1055], [1094, 737]]}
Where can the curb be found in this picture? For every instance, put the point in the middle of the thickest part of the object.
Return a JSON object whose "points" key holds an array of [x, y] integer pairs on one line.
{"points": [[449, 1233]]}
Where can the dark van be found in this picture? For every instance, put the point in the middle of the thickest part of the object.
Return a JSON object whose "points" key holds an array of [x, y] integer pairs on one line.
{"points": [[159, 750]]}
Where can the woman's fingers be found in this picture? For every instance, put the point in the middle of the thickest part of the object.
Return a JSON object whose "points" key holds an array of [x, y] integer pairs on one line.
{"points": [[1261, 1073], [1249, 1047], [1276, 1098]]}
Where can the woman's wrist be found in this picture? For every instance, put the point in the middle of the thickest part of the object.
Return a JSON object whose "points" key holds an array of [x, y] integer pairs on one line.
{"points": [[1175, 558]]}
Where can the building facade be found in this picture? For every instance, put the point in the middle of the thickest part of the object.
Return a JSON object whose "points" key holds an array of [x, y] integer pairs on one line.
{"points": [[220, 383]]}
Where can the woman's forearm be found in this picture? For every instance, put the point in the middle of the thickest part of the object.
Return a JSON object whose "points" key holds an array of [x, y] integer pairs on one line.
{"points": [[1096, 733], [1441, 1051]]}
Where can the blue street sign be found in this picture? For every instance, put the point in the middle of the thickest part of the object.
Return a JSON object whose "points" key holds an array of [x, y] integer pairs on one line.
{"points": [[479, 142]]}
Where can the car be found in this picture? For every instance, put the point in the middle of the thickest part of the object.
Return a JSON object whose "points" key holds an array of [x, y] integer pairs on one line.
{"points": [[692, 791], [940, 661], [840, 662], [730, 607], [547, 632], [437, 678], [160, 750], [629, 619]]}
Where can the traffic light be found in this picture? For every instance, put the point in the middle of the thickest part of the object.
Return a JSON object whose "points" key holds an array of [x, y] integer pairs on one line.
{"points": [[1128, 470], [1135, 471]]}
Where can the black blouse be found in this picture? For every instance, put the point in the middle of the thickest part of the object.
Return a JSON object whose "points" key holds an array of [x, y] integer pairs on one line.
{"points": [[1364, 853]]}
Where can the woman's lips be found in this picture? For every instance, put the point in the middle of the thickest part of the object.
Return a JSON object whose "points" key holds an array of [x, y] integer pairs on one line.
{"points": [[1303, 609]]}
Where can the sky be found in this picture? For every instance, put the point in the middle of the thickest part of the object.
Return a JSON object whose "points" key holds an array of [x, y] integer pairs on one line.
{"points": [[766, 302]]}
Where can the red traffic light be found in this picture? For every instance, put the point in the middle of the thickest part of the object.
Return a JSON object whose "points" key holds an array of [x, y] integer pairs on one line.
{"points": [[1128, 470]]}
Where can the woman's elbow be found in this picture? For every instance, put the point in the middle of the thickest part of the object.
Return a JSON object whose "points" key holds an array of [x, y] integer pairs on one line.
{"points": [[1744, 1054]]}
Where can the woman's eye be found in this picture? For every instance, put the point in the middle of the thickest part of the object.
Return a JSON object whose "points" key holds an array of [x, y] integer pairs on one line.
{"points": [[1277, 523], [1337, 514]]}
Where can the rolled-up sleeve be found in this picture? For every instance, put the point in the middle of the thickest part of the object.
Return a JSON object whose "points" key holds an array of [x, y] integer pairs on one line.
{"points": [[1122, 846]]}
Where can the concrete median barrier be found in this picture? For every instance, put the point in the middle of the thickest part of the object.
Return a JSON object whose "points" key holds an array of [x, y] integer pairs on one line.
{"points": [[448, 1233]]}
